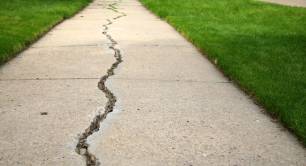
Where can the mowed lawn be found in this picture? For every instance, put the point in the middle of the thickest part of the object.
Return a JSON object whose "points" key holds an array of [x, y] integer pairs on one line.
{"points": [[23, 21], [260, 46]]}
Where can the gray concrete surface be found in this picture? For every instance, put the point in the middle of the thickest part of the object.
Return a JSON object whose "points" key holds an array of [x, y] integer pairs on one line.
{"points": [[174, 107], [57, 75], [296, 3]]}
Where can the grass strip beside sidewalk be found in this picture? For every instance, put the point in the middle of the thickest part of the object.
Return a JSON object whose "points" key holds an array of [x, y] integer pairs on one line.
{"points": [[24, 21]]}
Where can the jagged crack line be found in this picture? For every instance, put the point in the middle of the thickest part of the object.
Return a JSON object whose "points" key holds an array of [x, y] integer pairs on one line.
{"points": [[82, 146]]}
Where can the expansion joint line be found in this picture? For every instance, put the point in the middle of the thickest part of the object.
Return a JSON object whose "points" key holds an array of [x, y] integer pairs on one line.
{"points": [[82, 146]]}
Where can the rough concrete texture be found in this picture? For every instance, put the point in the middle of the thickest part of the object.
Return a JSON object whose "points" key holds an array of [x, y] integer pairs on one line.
{"points": [[173, 108], [49, 92], [297, 3]]}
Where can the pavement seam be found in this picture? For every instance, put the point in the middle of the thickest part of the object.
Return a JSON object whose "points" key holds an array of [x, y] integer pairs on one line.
{"points": [[49, 79], [126, 79], [82, 145], [60, 46], [172, 80]]}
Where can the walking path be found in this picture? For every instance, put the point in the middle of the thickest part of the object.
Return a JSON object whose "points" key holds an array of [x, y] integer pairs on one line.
{"points": [[298, 3], [165, 104]]}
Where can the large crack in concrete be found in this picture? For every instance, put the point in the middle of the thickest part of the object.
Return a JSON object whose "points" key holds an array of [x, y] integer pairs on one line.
{"points": [[82, 146]]}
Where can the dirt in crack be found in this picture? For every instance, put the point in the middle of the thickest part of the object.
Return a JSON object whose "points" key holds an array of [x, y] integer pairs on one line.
{"points": [[82, 146]]}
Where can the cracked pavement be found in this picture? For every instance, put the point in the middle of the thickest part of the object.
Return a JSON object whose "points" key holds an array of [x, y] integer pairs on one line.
{"points": [[83, 146], [173, 106]]}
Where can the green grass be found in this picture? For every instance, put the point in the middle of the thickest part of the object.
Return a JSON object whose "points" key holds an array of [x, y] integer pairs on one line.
{"points": [[262, 47], [24, 21]]}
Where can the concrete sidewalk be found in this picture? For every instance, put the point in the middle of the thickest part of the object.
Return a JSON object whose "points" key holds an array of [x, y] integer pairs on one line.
{"points": [[297, 3], [173, 107]]}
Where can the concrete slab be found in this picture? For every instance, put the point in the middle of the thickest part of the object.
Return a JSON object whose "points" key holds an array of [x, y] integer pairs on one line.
{"points": [[191, 123], [296, 3], [78, 61], [28, 137], [157, 61]]}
